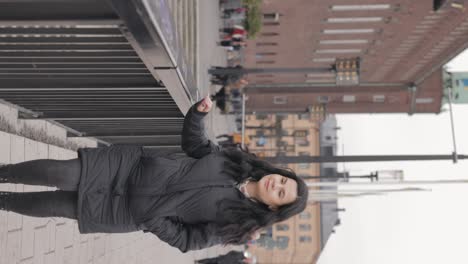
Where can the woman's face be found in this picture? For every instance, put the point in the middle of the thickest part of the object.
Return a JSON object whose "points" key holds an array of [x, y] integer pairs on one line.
{"points": [[276, 190]]}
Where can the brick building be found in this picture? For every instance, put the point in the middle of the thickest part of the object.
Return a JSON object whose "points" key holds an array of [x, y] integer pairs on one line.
{"points": [[402, 46]]}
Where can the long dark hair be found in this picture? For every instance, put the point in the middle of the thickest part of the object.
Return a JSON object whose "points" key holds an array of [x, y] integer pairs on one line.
{"points": [[242, 218]]}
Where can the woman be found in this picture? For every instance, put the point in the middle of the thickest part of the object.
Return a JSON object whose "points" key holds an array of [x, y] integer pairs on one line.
{"points": [[210, 196]]}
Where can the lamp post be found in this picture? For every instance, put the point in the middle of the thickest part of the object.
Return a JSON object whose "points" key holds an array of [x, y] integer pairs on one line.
{"points": [[381, 175], [344, 175], [362, 158]]}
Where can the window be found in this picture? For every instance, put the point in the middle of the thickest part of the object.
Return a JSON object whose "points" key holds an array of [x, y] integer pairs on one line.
{"points": [[323, 59], [271, 16], [379, 98], [281, 116], [305, 215], [280, 100], [271, 23], [427, 100], [282, 143], [281, 154], [266, 62], [261, 116], [343, 41], [321, 75], [261, 142], [305, 227], [304, 116], [360, 7], [259, 132], [303, 165], [327, 151], [438, 4], [300, 133], [282, 227], [329, 172], [302, 141], [349, 98], [353, 19], [323, 99], [337, 51], [269, 34], [282, 242], [305, 239], [349, 31]]}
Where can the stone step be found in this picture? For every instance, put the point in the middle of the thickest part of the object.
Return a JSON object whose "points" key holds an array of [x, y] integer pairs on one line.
{"points": [[39, 130]]}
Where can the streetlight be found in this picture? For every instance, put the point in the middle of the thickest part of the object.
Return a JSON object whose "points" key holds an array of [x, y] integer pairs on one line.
{"points": [[381, 175]]}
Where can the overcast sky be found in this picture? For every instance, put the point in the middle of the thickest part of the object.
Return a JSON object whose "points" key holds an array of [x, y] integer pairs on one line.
{"points": [[429, 227]]}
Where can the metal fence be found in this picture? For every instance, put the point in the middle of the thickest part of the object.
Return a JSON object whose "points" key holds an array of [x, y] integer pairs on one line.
{"points": [[112, 70]]}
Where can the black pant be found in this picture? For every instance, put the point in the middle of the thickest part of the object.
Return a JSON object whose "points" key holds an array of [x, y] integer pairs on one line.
{"points": [[63, 174]]}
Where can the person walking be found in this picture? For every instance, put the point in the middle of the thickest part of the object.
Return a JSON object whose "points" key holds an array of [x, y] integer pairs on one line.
{"points": [[209, 196], [226, 78], [235, 32], [232, 13]]}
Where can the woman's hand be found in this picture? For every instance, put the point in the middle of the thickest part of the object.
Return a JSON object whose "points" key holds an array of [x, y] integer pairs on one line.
{"points": [[205, 105]]}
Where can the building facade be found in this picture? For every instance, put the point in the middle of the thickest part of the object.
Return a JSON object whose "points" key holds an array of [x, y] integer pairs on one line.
{"points": [[401, 47], [298, 239]]}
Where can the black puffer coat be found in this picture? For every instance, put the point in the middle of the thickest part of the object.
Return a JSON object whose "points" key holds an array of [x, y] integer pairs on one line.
{"points": [[232, 257], [126, 189]]}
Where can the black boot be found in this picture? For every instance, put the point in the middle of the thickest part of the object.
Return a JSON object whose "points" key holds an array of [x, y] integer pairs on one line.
{"points": [[4, 200], [4, 172]]}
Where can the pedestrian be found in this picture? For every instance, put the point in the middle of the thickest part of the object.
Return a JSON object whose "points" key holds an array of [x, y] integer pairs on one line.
{"points": [[232, 257], [228, 78], [220, 98], [228, 13], [235, 31], [209, 196], [232, 43]]}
